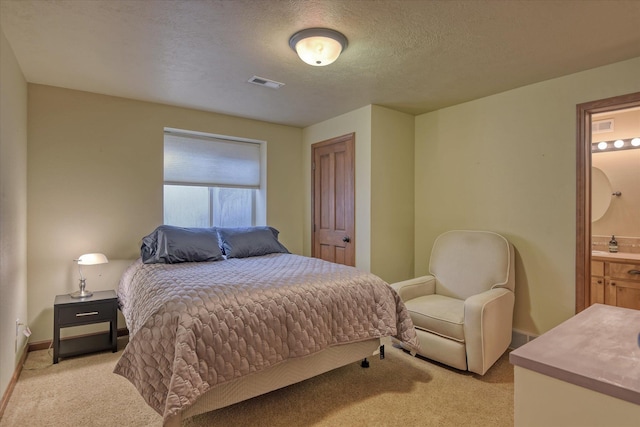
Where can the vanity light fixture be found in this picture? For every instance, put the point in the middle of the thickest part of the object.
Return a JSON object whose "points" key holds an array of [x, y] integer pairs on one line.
{"points": [[617, 145], [318, 46]]}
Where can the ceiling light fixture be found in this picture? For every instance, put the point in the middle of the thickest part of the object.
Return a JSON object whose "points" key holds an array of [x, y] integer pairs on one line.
{"points": [[318, 46]]}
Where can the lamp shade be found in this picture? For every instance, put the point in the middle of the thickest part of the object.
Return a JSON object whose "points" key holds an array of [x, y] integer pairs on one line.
{"points": [[92, 259], [318, 46]]}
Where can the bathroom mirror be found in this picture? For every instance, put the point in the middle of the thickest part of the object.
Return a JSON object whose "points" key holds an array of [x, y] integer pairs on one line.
{"points": [[600, 193]]}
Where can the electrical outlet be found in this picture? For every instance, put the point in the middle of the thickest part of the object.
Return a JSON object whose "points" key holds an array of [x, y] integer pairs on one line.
{"points": [[26, 332]]}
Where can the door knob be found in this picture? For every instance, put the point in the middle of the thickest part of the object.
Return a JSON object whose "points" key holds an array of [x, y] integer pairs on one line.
{"points": [[346, 239]]}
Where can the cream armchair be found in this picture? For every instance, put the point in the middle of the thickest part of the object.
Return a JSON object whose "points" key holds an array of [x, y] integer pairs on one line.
{"points": [[463, 310]]}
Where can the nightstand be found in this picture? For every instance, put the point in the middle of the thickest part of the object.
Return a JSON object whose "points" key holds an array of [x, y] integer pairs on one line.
{"points": [[101, 307]]}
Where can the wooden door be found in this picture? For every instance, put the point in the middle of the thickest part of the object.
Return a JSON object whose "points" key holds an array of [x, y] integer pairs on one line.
{"points": [[597, 283], [622, 293], [333, 199]]}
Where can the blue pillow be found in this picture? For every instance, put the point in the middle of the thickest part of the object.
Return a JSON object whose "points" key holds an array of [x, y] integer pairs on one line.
{"points": [[168, 244], [250, 241]]}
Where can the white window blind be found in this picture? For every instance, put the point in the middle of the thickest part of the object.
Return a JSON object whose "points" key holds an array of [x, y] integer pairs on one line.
{"points": [[209, 161]]}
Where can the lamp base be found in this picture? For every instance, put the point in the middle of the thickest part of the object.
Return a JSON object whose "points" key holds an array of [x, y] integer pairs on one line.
{"points": [[81, 294]]}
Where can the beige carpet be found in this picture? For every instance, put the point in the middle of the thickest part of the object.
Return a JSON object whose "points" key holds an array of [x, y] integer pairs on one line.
{"points": [[399, 390]]}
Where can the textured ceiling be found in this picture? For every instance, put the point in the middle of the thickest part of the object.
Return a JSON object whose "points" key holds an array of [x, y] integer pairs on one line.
{"points": [[412, 56]]}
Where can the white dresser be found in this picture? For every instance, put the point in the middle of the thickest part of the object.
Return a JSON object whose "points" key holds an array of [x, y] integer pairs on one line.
{"points": [[584, 372]]}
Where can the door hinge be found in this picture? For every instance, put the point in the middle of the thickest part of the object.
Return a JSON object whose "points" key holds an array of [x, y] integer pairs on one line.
{"points": [[313, 166]]}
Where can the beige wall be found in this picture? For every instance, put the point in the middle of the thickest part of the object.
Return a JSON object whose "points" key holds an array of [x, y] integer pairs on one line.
{"points": [[95, 184], [384, 187], [623, 170], [13, 210], [507, 163], [392, 206]]}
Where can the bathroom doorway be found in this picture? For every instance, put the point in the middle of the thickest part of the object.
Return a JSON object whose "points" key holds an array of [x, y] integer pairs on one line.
{"points": [[585, 113]]}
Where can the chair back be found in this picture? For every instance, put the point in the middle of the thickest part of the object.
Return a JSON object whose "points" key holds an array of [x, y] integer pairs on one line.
{"points": [[466, 263]]}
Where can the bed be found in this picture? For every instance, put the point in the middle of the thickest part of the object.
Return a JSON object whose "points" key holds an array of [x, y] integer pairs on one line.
{"points": [[209, 333]]}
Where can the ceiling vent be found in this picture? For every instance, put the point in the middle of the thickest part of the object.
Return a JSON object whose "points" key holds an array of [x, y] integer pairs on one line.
{"points": [[261, 81], [602, 126]]}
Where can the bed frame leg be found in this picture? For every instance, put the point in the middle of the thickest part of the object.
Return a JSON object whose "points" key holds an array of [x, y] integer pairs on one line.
{"points": [[365, 362]]}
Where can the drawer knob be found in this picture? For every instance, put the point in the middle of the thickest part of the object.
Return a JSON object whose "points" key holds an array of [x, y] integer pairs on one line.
{"points": [[633, 271], [89, 313]]}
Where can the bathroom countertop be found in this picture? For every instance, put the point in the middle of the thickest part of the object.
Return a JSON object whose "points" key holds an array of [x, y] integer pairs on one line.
{"points": [[597, 349], [617, 256]]}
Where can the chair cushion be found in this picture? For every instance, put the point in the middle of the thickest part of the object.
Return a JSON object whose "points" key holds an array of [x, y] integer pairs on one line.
{"points": [[438, 314]]}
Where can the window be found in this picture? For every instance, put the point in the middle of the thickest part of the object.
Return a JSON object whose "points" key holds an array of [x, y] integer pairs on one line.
{"points": [[210, 181]]}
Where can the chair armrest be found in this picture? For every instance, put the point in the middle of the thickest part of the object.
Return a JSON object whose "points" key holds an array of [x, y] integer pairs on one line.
{"points": [[414, 288], [488, 319], [480, 301]]}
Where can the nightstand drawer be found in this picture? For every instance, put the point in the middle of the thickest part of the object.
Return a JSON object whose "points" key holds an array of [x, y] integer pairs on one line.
{"points": [[87, 313]]}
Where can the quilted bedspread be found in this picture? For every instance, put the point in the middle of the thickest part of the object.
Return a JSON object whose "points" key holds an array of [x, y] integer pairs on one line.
{"points": [[193, 326]]}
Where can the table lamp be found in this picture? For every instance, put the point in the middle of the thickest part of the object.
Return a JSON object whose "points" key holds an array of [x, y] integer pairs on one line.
{"points": [[87, 259]]}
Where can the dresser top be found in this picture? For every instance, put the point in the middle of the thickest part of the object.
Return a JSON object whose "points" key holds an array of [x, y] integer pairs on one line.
{"points": [[597, 349]]}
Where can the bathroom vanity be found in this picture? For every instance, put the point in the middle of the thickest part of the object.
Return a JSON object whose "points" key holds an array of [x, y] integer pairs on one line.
{"points": [[615, 279]]}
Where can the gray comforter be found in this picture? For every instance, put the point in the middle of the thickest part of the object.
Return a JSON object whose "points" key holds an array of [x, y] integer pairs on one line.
{"points": [[193, 326]]}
